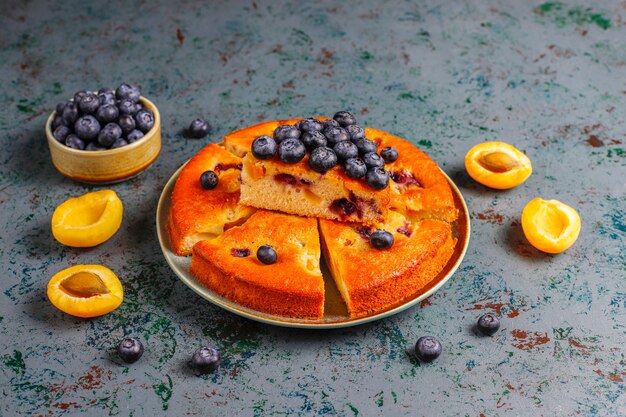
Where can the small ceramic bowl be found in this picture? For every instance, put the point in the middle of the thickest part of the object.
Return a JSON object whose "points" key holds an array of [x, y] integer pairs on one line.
{"points": [[111, 165]]}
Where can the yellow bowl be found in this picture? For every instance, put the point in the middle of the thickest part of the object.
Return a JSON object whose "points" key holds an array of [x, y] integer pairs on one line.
{"points": [[111, 165]]}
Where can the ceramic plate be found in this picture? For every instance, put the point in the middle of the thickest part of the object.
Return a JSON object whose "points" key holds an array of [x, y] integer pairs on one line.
{"points": [[335, 311]]}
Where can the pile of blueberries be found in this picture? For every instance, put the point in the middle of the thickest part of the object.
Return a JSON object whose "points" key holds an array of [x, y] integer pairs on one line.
{"points": [[106, 119], [330, 142]]}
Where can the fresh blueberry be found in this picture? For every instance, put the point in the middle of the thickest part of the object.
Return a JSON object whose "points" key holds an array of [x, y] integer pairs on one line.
{"points": [[60, 106], [89, 103], [365, 146], [107, 113], [346, 150], [119, 142], [381, 239], [263, 147], [198, 129], [344, 118], [70, 114], [488, 324], [355, 131], [56, 122], [309, 125], [313, 139], [355, 168], [291, 150], [144, 119], [283, 132], [130, 349], [134, 136], [377, 178], [327, 124], [208, 180], [127, 107], [87, 127], [109, 134], [127, 123], [389, 154], [105, 90], [267, 254], [427, 349], [93, 146], [373, 160], [205, 360], [106, 98], [128, 92], [74, 142], [79, 95], [335, 135], [61, 133], [322, 159]]}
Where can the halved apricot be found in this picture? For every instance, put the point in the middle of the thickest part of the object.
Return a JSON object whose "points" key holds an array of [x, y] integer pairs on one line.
{"points": [[497, 165], [85, 290], [87, 220], [550, 225]]}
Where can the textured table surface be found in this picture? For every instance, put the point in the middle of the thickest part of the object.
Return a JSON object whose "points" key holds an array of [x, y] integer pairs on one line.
{"points": [[549, 78]]}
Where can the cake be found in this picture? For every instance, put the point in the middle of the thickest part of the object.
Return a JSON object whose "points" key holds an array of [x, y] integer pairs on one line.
{"points": [[292, 287]]}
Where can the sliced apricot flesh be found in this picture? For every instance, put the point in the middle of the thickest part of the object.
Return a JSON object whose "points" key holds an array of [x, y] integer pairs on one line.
{"points": [[550, 225], [85, 290], [88, 220], [497, 165]]}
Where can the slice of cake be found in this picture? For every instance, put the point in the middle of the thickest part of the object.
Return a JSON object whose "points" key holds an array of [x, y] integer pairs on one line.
{"points": [[370, 279], [292, 286], [197, 213]]}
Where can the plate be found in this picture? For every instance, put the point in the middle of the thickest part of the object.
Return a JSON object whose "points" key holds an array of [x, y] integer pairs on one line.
{"points": [[335, 311]]}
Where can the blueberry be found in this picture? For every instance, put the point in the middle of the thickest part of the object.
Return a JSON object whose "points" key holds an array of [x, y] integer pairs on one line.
{"points": [[61, 133], [106, 98], [134, 135], [309, 125], [107, 113], [144, 119], [127, 107], [87, 127], [291, 150], [427, 349], [283, 132], [93, 146], [365, 146], [208, 180], [130, 349], [344, 118], [109, 134], [355, 168], [56, 122], [79, 95], [128, 92], [313, 139], [205, 360], [488, 324], [335, 135], [355, 132], [70, 114], [198, 129], [263, 147], [389, 154], [322, 159], [74, 142], [346, 150], [89, 103], [105, 90], [381, 239], [377, 178], [267, 254], [127, 123], [327, 124], [119, 142], [373, 160], [60, 106]]}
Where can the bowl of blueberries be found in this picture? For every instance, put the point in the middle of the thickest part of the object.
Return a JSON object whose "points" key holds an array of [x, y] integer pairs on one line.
{"points": [[104, 136]]}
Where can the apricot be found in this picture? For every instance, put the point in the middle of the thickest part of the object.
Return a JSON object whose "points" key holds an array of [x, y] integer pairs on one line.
{"points": [[550, 225], [87, 220], [85, 290], [497, 165]]}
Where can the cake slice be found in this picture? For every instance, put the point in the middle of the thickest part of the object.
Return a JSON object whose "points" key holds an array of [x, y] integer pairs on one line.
{"points": [[372, 280], [291, 287], [197, 213]]}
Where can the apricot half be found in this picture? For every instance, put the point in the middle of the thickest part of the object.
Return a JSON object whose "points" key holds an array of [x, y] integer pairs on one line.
{"points": [[497, 165], [85, 290], [550, 225], [87, 220]]}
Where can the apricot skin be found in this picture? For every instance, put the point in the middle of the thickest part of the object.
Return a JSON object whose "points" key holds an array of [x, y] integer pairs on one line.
{"points": [[497, 165], [550, 225]]}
